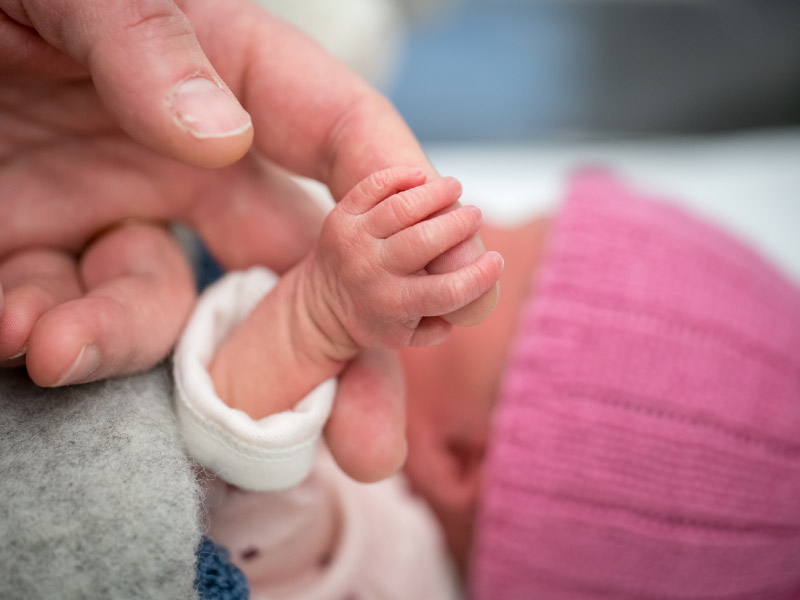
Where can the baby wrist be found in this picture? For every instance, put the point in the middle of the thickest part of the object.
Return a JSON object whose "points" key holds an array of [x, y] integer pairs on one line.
{"points": [[268, 453], [325, 338]]}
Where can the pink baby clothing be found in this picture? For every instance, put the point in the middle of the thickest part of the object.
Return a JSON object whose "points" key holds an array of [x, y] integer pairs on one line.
{"points": [[647, 439], [294, 523]]}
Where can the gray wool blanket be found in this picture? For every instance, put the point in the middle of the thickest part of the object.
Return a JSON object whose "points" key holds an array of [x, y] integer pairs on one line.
{"points": [[97, 499]]}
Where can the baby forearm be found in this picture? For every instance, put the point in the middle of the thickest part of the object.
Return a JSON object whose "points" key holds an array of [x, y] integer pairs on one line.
{"points": [[278, 355]]}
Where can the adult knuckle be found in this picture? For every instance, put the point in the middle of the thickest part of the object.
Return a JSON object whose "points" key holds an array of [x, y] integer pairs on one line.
{"points": [[156, 17]]}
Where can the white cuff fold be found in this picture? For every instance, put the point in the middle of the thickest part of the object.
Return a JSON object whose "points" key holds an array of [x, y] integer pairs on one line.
{"points": [[272, 453]]}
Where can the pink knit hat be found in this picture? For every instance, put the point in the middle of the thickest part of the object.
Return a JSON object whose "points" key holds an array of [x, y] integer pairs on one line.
{"points": [[647, 440]]}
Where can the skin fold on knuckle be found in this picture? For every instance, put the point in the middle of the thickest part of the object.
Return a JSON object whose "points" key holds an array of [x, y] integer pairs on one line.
{"points": [[428, 235], [155, 16], [402, 209], [378, 183]]}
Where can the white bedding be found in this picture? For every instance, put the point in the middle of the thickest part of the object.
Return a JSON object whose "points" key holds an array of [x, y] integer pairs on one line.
{"points": [[749, 183]]}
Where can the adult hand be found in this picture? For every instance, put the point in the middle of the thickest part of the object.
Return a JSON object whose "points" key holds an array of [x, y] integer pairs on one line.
{"points": [[114, 114], [92, 102]]}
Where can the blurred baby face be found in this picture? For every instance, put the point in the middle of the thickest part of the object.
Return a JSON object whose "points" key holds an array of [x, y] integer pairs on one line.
{"points": [[452, 390]]}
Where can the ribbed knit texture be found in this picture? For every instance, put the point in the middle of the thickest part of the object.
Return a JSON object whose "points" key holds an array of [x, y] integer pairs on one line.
{"points": [[647, 441]]}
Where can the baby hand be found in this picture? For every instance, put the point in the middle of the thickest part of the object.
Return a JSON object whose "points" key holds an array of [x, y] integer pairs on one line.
{"points": [[367, 285]]}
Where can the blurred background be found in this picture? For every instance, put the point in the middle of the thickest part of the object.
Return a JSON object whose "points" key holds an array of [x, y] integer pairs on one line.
{"points": [[523, 69], [697, 101]]}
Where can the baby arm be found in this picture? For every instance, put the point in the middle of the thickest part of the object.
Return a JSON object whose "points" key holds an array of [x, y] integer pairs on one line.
{"points": [[362, 286]]}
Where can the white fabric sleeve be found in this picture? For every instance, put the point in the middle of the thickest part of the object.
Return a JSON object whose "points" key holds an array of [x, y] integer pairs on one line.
{"points": [[272, 453]]}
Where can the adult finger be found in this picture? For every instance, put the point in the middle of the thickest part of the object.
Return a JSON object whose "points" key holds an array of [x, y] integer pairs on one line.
{"points": [[340, 134], [148, 67], [34, 281], [430, 331], [254, 213], [366, 429], [24, 54], [140, 292]]}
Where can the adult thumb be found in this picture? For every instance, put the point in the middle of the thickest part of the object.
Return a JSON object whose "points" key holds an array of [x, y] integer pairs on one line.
{"points": [[149, 69]]}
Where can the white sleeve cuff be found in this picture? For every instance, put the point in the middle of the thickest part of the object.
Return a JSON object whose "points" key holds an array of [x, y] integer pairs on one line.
{"points": [[272, 453]]}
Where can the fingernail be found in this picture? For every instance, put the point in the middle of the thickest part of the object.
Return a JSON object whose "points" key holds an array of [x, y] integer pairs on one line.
{"points": [[499, 259], [86, 363], [207, 111], [18, 354]]}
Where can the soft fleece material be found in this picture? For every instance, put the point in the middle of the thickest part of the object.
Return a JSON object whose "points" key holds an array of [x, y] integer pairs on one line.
{"points": [[97, 498], [647, 441]]}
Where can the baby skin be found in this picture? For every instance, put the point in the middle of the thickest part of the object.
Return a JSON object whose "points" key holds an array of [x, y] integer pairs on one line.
{"points": [[363, 285]]}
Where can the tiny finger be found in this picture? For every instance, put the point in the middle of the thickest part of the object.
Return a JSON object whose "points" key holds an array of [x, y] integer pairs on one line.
{"points": [[406, 208], [379, 186], [436, 295], [411, 249]]}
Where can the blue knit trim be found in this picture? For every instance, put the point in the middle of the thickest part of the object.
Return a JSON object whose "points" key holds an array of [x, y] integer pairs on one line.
{"points": [[209, 269], [217, 578]]}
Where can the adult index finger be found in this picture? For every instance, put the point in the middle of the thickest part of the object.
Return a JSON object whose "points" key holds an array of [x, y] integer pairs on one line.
{"points": [[140, 291]]}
